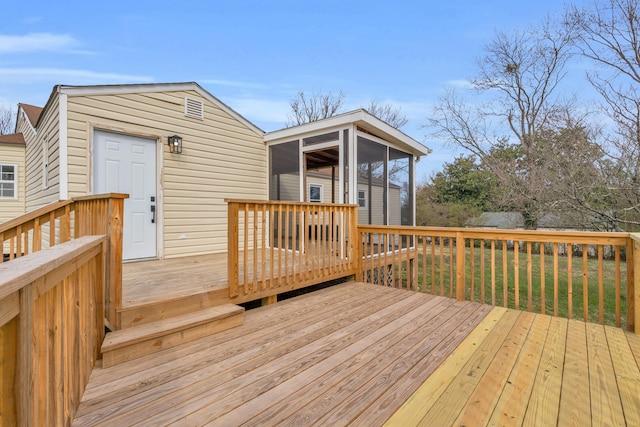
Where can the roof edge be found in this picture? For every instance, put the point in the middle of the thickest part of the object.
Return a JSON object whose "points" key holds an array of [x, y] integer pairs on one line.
{"points": [[155, 87], [358, 117]]}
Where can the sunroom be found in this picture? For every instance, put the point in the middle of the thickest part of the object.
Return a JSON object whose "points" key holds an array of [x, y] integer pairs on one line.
{"points": [[352, 158]]}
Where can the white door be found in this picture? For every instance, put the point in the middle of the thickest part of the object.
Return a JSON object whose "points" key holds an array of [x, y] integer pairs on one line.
{"points": [[127, 164]]}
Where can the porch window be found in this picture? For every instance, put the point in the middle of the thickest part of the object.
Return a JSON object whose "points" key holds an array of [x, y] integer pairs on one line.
{"points": [[319, 139], [315, 193], [8, 181], [284, 171], [400, 188], [372, 177]]}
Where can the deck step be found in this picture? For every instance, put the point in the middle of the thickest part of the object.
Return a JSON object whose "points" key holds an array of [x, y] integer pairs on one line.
{"points": [[137, 341]]}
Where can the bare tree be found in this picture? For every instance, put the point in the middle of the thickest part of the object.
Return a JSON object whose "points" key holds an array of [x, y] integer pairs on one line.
{"points": [[609, 35], [518, 76], [393, 116], [317, 106], [321, 105], [6, 120]]}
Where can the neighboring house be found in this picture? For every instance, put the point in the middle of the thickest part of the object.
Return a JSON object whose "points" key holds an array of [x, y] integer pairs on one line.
{"points": [[500, 220], [12, 176], [115, 138], [319, 189]]}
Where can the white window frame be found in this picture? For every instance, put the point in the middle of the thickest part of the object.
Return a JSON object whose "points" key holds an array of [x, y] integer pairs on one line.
{"points": [[321, 189], [363, 198], [14, 182]]}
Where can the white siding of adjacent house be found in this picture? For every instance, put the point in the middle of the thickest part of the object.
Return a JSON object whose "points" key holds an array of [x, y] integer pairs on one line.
{"points": [[222, 158], [13, 154], [36, 195]]}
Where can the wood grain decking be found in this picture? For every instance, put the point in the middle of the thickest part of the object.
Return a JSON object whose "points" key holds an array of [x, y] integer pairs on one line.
{"points": [[145, 282], [357, 354]]}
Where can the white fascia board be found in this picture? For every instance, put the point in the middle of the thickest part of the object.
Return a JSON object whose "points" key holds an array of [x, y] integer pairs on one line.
{"points": [[358, 117], [158, 87], [397, 135], [63, 147], [26, 119], [313, 127]]}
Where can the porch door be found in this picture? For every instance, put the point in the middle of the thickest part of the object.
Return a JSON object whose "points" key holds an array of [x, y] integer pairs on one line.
{"points": [[127, 164]]}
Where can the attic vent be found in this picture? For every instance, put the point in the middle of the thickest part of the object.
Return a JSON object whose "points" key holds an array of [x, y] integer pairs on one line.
{"points": [[194, 108]]}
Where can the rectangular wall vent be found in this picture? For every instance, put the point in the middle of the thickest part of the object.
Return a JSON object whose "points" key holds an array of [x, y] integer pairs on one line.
{"points": [[194, 108]]}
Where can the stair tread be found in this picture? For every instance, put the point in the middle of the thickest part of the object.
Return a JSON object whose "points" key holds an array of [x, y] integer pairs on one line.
{"points": [[121, 338]]}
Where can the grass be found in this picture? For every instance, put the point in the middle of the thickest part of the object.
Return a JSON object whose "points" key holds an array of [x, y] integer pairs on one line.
{"points": [[530, 291]]}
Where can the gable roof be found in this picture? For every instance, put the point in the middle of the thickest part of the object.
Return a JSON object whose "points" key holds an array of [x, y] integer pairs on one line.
{"points": [[151, 87], [32, 112], [12, 138], [364, 120]]}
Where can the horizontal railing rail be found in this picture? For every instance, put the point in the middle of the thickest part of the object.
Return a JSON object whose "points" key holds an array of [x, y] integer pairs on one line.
{"points": [[587, 275], [274, 247], [51, 330]]}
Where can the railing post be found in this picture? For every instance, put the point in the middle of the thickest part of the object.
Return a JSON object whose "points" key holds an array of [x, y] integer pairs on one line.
{"points": [[25, 370], [113, 272], [633, 283], [232, 248], [460, 273], [89, 221], [355, 242]]}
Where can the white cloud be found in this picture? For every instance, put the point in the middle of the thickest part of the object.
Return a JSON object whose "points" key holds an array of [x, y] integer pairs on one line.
{"points": [[36, 42], [29, 75], [269, 114], [459, 83]]}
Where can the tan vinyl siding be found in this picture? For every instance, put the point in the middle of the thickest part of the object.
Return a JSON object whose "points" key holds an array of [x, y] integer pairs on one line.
{"points": [[325, 182], [289, 187], [377, 214], [395, 206], [13, 154], [35, 195], [221, 158]]}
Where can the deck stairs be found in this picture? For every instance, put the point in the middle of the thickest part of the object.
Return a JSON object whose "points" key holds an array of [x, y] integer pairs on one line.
{"points": [[140, 340]]}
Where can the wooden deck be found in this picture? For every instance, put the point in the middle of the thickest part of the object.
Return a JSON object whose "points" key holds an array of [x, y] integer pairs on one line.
{"points": [[151, 281], [145, 282], [357, 354]]}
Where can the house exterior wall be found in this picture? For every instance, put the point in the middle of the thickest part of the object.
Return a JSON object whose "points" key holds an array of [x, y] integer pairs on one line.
{"points": [[377, 216], [10, 208], [37, 194], [221, 158]]}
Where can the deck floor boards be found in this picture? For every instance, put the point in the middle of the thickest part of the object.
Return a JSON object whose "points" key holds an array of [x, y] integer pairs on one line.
{"points": [[172, 278], [356, 354]]}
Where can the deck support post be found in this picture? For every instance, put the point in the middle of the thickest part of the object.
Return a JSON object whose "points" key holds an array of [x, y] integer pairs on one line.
{"points": [[271, 299]]}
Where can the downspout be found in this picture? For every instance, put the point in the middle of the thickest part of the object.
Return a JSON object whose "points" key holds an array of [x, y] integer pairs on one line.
{"points": [[63, 146]]}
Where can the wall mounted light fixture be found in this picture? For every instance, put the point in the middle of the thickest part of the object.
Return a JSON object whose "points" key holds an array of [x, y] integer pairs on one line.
{"points": [[175, 144]]}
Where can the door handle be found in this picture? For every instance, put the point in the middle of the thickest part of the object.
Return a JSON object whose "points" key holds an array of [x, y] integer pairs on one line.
{"points": [[153, 214]]}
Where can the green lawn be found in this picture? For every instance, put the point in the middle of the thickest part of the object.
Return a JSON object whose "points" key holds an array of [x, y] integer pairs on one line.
{"points": [[609, 280]]}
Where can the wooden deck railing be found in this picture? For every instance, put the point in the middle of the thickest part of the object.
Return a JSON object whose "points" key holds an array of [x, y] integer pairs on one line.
{"points": [[568, 274], [62, 221], [274, 247], [51, 329]]}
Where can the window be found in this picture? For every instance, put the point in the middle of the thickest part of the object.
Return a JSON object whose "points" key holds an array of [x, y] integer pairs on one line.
{"points": [[315, 193], [362, 198], [8, 181]]}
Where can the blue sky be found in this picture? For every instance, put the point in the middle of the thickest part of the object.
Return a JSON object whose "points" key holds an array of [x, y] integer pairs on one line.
{"points": [[256, 55]]}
